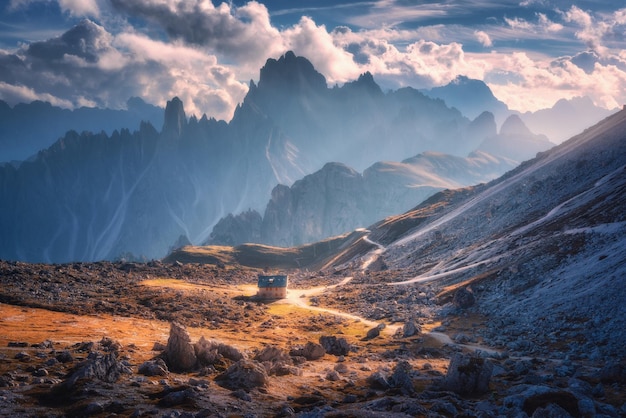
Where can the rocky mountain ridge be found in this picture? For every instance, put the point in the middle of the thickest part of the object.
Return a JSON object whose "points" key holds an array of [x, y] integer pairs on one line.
{"points": [[540, 246], [338, 199], [28, 128]]}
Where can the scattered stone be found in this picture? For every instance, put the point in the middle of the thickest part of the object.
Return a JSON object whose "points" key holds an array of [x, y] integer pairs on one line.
{"points": [[341, 368], [23, 356], [464, 298], [550, 403], [241, 394], [377, 380], [333, 376], [93, 408], [244, 374], [180, 353], [105, 368], [272, 354], [64, 357], [401, 378], [468, 375], [17, 344], [372, 333], [178, 397], [410, 328], [153, 368], [335, 346], [40, 373], [310, 351]]}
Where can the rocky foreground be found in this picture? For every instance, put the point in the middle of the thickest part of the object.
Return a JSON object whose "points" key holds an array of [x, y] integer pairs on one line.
{"points": [[214, 351]]}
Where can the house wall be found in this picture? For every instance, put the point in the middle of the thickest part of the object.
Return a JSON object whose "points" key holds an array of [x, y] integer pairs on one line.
{"points": [[272, 292]]}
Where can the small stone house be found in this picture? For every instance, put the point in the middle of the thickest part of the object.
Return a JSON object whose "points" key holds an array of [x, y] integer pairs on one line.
{"points": [[272, 287]]}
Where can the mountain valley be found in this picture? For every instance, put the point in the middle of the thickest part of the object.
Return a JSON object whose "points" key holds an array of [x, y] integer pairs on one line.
{"points": [[438, 265]]}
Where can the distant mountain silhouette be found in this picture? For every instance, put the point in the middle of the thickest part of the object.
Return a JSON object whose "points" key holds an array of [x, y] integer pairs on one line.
{"points": [[338, 199], [93, 196], [471, 97], [26, 129], [566, 118], [515, 141]]}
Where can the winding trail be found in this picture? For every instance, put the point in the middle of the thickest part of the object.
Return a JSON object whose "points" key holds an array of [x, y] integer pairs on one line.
{"points": [[302, 299]]}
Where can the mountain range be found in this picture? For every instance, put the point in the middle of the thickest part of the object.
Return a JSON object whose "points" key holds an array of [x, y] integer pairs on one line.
{"points": [[541, 249], [93, 196], [27, 128]]}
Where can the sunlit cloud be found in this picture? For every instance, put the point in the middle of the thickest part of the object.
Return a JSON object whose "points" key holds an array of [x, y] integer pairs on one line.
{"points": [[206, 53], [483, 38]]}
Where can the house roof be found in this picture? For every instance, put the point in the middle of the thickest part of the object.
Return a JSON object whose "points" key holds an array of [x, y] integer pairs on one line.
{"points": [[278, 280]]}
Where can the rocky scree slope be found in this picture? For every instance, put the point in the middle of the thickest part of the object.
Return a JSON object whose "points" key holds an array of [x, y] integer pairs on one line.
{"points": [[541, 247]]}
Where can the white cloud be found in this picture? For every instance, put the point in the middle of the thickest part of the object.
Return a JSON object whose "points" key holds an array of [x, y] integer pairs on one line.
{"points": [[483, 38], [205, 54], [78, 8]]}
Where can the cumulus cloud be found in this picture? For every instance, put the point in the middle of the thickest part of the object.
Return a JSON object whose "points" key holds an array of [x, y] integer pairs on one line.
{"points": [[89, 66], [205, 54], [542, 25], [483, 38], [80, 8], [241, 34]]}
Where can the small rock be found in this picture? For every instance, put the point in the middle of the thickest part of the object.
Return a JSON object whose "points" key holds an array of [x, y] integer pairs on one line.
{"points": [[245, 374], [177, 397], [468, 374], [410, 328], [241, 394], [464, 298], [310, 351], [153, 368], [40, 373], [65, 357], [333, 376], [377, 380], [22, 356]]}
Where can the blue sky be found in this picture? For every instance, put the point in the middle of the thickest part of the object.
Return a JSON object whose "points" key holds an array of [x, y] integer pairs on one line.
{"points": [[101, 52]]}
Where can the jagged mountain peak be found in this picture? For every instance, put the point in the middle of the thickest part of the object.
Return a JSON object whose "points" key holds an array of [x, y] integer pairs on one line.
{"points": [[290, 71], [513, 125], [175, 118], [365, 82]]}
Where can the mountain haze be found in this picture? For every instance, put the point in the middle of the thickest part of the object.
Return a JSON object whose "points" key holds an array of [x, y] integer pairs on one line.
{"points": [[338, 199], [93, 196], [25, 129]]}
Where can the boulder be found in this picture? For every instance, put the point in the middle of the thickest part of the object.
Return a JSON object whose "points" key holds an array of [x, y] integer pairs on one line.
{"points": [[468, 375], [180, 353], [272, 354], [244, 374], [211, 351], [101, 367], [153, 368], [401, 378], [335, 346], [464, 298], [410, 328], [310, 351]]}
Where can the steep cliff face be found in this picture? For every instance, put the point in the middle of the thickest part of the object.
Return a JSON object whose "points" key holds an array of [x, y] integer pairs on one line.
{"points": [[98, 196], [93, 197], [338, 199]]}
